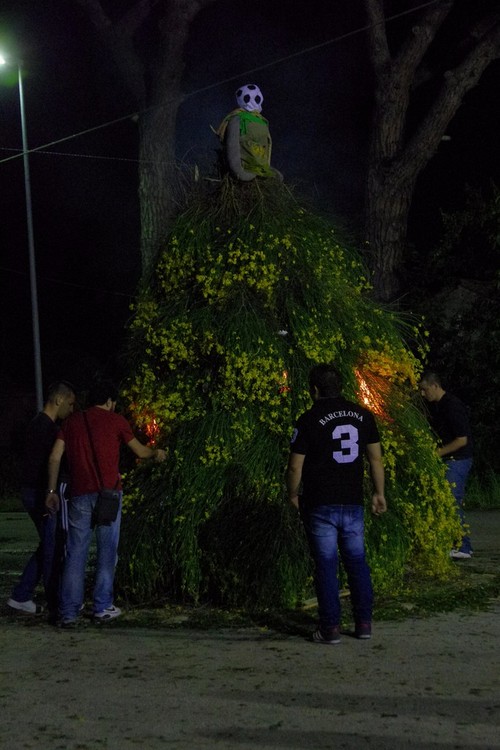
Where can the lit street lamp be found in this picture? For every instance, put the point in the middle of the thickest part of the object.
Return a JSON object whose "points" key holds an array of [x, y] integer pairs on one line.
{"points": [[31, 245]]}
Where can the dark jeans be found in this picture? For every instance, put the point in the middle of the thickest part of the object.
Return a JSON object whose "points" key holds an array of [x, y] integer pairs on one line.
{"points": [[45, 562], [334, 529], [456, 474]]}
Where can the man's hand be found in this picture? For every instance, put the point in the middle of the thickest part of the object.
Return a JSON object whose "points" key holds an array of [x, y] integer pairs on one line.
{"points": [[379, 504], [295, 501], [452, 447], [294, 477], [160, 455], [52, 502]]}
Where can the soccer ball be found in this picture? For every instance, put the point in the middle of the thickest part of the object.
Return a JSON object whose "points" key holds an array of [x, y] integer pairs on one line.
{"points": [[250, 97]]}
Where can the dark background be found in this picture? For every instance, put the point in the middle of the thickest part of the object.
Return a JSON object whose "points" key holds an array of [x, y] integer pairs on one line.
{"points": [[317, 97]]}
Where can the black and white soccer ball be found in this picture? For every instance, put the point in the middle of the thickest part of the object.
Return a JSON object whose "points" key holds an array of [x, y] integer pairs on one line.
{"points": [[250, 97]]}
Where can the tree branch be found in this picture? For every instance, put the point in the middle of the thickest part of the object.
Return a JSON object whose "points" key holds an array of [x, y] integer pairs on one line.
{"points": [[395, 75], [183, 11], [423, 33], [485, 25], [457, 83], [96, 14], [135, 17], [118, 37], [379, 48]]}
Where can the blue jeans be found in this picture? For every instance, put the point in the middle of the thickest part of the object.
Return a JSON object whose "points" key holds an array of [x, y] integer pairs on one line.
{"points": [[79, 537], [456, 474], [332, 529], [42, 563]]}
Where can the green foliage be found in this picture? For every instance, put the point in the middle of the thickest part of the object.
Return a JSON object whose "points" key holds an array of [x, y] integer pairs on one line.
{"points": [[483, 490], [470, 233], [464, 316], [251, 291]]}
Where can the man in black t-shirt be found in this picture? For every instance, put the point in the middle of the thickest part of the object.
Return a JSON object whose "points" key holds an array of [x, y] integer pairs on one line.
{"points": [[39, 440], [449, 420], [327, 457]]}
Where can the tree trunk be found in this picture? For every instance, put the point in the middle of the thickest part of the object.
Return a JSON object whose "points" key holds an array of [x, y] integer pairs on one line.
{"points": [[387, 205], [154, 81], [156, 180], [396, 158], [158, 172]]}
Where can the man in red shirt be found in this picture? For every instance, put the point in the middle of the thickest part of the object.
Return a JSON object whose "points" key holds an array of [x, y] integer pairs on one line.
{"points": [[91, 441]]}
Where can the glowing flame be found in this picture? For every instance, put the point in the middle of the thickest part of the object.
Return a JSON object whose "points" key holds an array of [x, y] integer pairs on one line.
{"points": [[152, 430], [369, 397], [284, 387]]}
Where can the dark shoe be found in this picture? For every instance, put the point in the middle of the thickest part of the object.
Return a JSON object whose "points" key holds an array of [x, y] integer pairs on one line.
{"points": [[363, 631], [27, 608], [53, 618], [330, 636], [68, 624]]}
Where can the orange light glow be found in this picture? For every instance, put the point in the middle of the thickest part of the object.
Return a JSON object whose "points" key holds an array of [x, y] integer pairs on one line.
{"points": [[284, 387], [152, 430], [369, 397]]}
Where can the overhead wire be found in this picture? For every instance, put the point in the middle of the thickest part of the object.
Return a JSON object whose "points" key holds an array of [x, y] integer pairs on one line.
{"points": [[203, 89], [60, 282], [84, 156]]}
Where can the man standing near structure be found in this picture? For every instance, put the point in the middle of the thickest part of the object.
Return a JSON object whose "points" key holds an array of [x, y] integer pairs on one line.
{"points": [[91, 441], [43, 563], [327, 449], [450, 422]]}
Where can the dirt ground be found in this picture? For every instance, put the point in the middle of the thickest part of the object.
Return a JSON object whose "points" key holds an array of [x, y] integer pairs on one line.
{"points": [[420, 683]]}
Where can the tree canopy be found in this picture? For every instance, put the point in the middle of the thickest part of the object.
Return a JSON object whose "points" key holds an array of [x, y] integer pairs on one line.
{"points": [[421, 75]]}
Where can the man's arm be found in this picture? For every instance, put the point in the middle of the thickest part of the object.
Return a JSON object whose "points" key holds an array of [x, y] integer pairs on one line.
{"points": [[294, 476], [374, 453], [52, 499], [458, 442], [144, 451], [456, 421]]}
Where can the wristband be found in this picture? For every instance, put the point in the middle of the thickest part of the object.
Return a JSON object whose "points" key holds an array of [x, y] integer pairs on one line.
{"points": [[51, 492]]}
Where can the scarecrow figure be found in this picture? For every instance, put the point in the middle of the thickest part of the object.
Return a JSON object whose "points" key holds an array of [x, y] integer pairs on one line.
{"points": [[244, 134]]}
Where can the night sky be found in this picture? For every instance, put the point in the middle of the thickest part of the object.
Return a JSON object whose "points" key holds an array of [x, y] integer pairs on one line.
{"points": [[85, 208]]}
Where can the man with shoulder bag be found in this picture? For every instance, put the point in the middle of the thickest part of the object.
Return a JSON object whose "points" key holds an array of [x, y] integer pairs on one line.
{"points": [[91, 441]]}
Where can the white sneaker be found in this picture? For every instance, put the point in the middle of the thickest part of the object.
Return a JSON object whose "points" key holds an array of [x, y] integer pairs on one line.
{"points": [[457, 554], [29, 607], [108, 614]]}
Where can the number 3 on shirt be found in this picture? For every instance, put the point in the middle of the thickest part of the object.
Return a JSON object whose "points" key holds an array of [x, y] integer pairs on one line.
{"points": [[349, 447]]}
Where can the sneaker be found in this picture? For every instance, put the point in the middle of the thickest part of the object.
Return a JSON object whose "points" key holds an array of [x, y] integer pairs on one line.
{"points": [[363, 630], [107, 614], [330, 636], [29, 607], [458, 554]]}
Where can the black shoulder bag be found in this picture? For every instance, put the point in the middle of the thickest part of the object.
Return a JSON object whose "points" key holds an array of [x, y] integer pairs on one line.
{"points": [[108, 501]]}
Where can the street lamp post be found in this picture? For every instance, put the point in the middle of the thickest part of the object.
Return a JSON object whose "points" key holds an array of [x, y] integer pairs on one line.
{"points": [[31, 246]]}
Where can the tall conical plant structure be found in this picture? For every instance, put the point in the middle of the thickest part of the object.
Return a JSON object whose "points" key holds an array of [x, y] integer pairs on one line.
{"points": [[250, 291]]}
